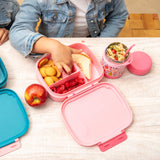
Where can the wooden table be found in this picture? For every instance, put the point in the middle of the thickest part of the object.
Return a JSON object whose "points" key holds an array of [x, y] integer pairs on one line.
{"points": [[48, 138]]}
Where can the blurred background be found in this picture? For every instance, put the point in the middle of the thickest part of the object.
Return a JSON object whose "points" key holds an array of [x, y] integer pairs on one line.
{"points": [[143, 20], [143, 6]]}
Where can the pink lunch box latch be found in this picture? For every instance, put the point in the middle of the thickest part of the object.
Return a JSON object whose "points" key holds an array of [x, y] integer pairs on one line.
{"points": [[114, 141]]}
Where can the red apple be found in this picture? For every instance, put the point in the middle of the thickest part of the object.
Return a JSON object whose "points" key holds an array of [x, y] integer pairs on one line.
{"points": [[35, 95]]}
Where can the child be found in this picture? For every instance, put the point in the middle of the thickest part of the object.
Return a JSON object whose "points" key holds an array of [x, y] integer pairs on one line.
{"points": [[8, 10], [64, 18]]}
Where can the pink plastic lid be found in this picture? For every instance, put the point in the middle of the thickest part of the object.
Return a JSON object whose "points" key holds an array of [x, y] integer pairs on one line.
{"points": [[96, 116], [141, 63]]}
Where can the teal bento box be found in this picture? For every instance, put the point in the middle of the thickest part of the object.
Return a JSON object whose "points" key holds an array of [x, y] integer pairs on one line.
{"points": [[13, 118]]}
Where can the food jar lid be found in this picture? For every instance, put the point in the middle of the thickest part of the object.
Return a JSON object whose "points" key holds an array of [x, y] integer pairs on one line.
{"points": [[141, 63]]}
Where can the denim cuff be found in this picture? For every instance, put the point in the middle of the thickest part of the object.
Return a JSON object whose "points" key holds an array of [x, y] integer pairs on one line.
{"points": [[33, 37]]}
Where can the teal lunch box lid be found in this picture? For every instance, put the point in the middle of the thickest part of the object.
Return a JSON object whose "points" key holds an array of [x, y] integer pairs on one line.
{"points": [[13, 121], [13, 118], [3, 74]]}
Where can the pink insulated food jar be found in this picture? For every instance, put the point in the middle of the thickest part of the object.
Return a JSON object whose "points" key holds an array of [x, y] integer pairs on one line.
{"points": [[114, 66]]}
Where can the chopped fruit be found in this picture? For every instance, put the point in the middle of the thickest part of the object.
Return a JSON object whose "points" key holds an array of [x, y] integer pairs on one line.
{"points": [[72, 83], [68, 85]]}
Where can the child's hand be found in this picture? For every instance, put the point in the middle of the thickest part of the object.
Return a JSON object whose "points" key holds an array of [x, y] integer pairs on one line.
{"points": [[62, 57], [61, 54], [4, 35]]}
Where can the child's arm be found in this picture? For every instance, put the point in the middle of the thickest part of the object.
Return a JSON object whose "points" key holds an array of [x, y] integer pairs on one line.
{"points": [[4, 35], [115, 20], [26, 40], [61, 54]]}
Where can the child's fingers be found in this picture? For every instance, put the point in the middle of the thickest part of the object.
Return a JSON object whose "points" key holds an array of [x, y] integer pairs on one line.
{"points": [[74, 51], [4, 36], [66, 68], [1, 34], [59, 66], [6, 39]]}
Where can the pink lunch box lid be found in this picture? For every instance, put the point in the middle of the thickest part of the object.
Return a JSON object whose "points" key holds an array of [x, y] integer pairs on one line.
{"points": [[99, 116], [141, 63]]}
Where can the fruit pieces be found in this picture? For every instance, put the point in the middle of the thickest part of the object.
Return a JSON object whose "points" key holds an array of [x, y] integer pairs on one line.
{"points": [[68, 85], [49, 71]]}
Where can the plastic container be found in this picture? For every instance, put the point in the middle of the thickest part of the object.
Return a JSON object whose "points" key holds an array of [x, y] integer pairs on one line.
{"points": [[94, 113], [98, 116], [141, 63], [114, 69], [138, 63], [13, 118], [96, 68], [3, 74]]}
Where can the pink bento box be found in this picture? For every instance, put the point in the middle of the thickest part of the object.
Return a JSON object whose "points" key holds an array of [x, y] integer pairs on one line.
{"points": [[94, 113]]}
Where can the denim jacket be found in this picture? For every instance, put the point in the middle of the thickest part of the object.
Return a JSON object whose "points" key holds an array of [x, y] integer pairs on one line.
{"points": [[8, 10], [105, 18]]}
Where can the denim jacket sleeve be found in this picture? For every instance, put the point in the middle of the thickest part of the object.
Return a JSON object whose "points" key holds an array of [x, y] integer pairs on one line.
{"points": [[115, 20], [22, 33], [8, 11]]}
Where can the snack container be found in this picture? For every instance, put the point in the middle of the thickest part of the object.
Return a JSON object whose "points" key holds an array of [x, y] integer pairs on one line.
{"points": [[13, 118], [94, 113], [96, 69], [114, 69], [3, 74]]}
